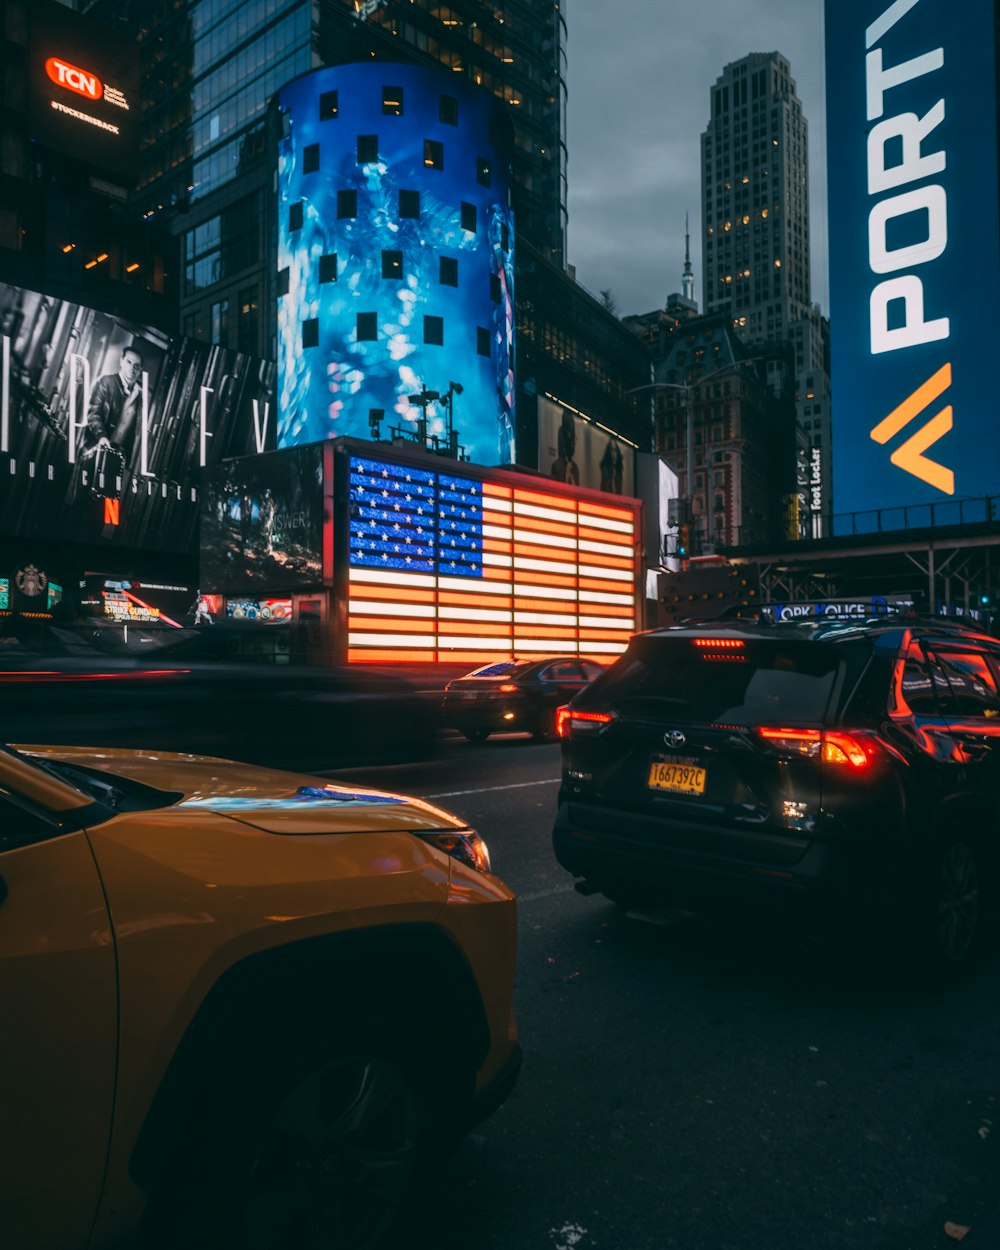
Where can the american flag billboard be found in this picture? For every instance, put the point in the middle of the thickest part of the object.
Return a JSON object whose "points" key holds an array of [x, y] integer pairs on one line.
{"points": [[449, 566]]}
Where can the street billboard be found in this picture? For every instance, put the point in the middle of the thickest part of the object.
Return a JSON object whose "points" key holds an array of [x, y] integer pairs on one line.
{"points": [[914, 253], [582, 453], [395, 259], [84, 89], [106, 423]]}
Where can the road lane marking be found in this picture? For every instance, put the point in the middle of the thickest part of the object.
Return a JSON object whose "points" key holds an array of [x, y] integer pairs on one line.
{"points": [[517, 785]]}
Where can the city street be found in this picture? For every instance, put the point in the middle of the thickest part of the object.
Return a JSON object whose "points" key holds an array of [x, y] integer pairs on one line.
{"points": [[696, 1084]]}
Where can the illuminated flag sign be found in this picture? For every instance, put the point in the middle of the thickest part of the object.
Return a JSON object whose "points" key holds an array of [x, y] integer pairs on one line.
{"points": [[450, 567], [914, 254]]}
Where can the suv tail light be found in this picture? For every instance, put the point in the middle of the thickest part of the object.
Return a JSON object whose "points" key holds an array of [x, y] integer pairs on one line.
{"points": [[831, 746], [570, 721]]}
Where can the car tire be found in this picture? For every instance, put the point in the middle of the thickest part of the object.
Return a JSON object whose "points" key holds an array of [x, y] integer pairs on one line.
{"points": [[475, 735], [958, 911], [332, 1153]]}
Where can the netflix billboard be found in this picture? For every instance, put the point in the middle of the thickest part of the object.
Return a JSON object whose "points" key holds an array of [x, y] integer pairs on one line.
{"points": [[106, 424]]}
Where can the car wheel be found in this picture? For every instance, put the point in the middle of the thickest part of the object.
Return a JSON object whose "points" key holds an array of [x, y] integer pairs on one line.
{"points": [[958, 913], [328, 1156], [476, 735]]}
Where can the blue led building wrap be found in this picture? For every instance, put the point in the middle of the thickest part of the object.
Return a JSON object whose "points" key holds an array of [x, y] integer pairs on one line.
{"points": [[914, 256], [395, 257]]}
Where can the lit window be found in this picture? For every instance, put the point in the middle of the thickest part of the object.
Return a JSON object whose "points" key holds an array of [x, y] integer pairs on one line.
{"points": [[433, 154], [328, 107], [392, 101], [392, 264]]}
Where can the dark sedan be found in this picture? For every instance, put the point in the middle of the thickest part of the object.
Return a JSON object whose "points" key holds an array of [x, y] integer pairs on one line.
{"points": [[515, 695]]}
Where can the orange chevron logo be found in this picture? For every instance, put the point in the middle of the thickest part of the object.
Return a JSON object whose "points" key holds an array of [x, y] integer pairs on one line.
{"points": [[910, 456]]}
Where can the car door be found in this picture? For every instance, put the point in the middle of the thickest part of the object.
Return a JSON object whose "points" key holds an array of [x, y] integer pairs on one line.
{"points": [[974, 714], [561, 680], [58, 1029]]}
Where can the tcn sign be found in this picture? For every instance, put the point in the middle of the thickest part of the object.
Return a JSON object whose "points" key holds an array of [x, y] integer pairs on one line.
{"points": [[914, 251]]}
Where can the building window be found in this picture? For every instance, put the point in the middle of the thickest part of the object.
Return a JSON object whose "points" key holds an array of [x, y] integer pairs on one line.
{"points": [[495, 288], [482, 341], [448, 110], [310, 158], [469, 217], [328, 267], [367, 327], [249, 321], [295, 216], [310, 332], [347, 204], [409, 203], [392, 264], [392, 101], [220, 322], [283, 281], [328, 106], [434, 331], [367, 149], [433, 154], [448, 275], [482, 171]]}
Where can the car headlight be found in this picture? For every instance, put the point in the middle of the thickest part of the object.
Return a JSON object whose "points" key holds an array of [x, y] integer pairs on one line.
{"points": [[464, 845]]}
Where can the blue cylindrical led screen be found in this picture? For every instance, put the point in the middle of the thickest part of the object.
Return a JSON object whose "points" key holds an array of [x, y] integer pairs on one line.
{"points": [[395, 259]]}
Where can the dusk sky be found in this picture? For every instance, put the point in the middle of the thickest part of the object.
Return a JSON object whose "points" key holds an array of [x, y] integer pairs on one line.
{"points": [[640, 72]]}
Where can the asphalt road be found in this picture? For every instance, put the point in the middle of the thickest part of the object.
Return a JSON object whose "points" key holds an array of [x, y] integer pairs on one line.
{"points": [[701, 1084]]}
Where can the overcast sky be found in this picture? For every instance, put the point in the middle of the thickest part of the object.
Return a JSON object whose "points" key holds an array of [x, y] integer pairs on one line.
{"points": [[640, 72]]}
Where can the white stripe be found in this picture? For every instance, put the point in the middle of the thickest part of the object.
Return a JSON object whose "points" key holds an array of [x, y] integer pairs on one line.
{"points": [[388, 577], [498, 505], [391, 640], [613, 648], [546, 540], [624, 551], [496, 531], [557, 646], [564, 594], [611, 575], [501, 645], [490, 557], [605, 523], [547, 514], [543, 566], [514, 785], [474, 585], [384, 607], [543, 618], [473, 614], [598, 596], [608, 622]]}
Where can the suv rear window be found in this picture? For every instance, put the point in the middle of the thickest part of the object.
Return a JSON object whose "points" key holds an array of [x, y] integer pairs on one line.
{"points": [[503, 669], [715, 681]]}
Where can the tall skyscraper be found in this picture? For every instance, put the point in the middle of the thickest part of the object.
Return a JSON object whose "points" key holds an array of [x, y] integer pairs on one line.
{"points": [[755, 211], [755, 205]]}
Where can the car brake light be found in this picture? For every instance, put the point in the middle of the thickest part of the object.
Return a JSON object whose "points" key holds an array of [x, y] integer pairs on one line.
{"points": [[832, 747], [571, 720]]}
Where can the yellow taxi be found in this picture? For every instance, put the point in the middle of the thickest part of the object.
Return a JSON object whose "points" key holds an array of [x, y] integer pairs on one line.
{"points": [[240, 1007]]}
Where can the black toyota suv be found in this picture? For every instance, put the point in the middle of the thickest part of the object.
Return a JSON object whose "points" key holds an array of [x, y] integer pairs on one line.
{"points": [[852, 768]]}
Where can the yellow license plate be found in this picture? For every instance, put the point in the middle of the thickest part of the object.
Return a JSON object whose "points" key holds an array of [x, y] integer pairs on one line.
{"points": [[676, 778]]}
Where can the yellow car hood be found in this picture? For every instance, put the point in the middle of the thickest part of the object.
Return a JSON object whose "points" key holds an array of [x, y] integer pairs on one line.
{"points": [[276, 802]]}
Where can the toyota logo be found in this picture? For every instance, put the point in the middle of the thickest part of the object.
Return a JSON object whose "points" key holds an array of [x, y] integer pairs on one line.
{"points": [[674, 738]]}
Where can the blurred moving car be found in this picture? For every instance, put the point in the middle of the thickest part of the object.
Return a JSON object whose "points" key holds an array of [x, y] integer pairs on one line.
{"points": [[851, 764], [514, 694], [279, 715], [245, 1008]]}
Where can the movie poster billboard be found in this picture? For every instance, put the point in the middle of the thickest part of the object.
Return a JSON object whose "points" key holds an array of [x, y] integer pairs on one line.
{"points": [[106, 424], [581, 453], [262, 522]]}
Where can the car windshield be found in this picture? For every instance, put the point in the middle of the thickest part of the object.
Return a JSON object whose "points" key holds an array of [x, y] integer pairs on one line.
{"points": [[722, 681]]}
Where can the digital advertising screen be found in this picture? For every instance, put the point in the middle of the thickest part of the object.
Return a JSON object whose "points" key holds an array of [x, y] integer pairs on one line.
{"points": [[259, 611], [84, 89], [914, 256], [106, 424], [129, 601], [263, 522], [395, 259], [582, 453], [450, 566]]}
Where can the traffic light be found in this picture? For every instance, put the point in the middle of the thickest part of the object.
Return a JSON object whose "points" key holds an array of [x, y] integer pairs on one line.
{"points": [[683, 541]]}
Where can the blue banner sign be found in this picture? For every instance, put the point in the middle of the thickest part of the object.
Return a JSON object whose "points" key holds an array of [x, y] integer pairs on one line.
{"points": [[914, 251]]}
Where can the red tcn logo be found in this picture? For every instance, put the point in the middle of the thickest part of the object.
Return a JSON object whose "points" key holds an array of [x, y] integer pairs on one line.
{"points": [[75, 79], [112, 511]]}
